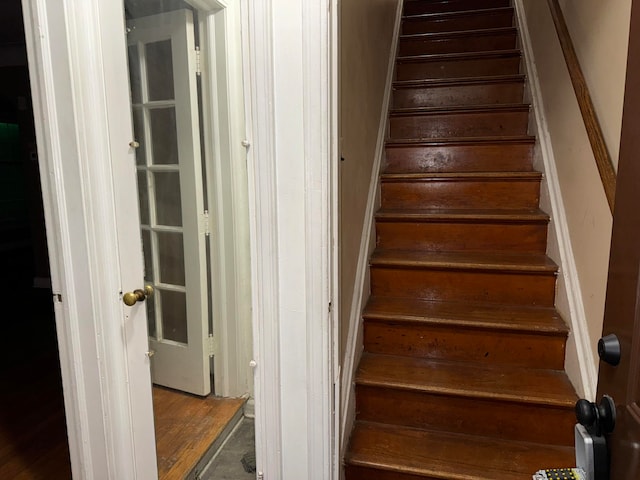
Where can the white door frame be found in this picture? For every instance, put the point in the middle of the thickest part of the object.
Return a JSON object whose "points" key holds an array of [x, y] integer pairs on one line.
{"points": [[75, 66]]}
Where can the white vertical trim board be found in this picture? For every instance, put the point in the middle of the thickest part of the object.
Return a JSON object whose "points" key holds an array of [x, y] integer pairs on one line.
{"points": [[319, 159], [224, 130], [367, 241], [263, 218], [588, 375], [334, 194]]}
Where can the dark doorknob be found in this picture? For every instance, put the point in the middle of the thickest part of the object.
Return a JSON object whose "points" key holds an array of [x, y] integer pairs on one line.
{"points": [[609, 349], [597, 419]]}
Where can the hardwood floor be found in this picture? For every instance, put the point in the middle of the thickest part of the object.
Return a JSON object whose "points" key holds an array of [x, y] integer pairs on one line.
{"points": [[187, 427], [33, 435]]}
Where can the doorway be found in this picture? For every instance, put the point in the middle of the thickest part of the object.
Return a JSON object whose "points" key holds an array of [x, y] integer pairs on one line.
{"points": [[190, 428]]}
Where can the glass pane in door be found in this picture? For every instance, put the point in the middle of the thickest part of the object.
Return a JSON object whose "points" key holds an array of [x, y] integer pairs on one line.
{"points": [[164, 108]]}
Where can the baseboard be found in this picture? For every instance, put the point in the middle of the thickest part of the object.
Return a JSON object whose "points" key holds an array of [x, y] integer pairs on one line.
{"points": [[367, 242], [579, 352]]}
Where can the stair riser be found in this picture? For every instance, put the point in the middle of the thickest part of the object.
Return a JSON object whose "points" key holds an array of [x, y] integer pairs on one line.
{"points": [[478, 94], [459, 158], [461, 194], [468, 237], [491, 418], [457, 44], [463, 124], [514, 288], [422, 7], [483, 347], [457, 68], [501, 18]]}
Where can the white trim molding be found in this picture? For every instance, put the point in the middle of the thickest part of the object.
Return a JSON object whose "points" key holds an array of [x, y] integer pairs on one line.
{"points": [[353, 350], [263, 218], [579, 344], [289, 98]]}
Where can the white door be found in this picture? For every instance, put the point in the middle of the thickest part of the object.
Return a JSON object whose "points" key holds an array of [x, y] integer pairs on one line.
{"points": [[164, 105]]}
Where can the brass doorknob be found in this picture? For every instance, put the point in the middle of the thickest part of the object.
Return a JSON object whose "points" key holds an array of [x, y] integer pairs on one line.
{"points": [[138, 295]]}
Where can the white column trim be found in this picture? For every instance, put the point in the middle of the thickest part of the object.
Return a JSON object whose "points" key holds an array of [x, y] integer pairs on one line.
{"points": [[320, 160], [261, 159]]}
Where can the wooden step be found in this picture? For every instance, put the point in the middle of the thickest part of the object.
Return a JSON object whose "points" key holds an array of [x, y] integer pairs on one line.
{"points": [[532, 337], [491, 400], [457, 65], [479, 190], [420, 7], [510, 278], [447, 122], [469, 230], [457, 21], [503, 38], [459, 91], [386, 452], [460, 155]]}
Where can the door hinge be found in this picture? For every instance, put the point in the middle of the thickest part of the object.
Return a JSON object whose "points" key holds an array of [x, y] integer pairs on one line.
{"points": [[198, 65], [260, 476], [211, 345], [205, 223]]}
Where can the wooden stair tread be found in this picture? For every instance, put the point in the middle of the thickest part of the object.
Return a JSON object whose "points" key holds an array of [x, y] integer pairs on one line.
{"points": [[455, 109], [436, 82], [494, 382], [462, 215], [450, 456], [507, 261], [456, 176], [459, 141], [456, 13], [460, 55], [544, 320], [459, 33]]}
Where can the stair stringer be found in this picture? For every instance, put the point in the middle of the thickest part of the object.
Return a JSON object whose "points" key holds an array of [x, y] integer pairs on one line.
{"points": [[580, 363]]}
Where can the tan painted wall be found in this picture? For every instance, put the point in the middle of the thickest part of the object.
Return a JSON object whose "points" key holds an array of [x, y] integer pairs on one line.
{"points": [[600, 34], [366, 30]]}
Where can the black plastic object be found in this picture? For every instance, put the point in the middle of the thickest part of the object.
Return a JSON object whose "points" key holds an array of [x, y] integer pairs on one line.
{"points": [[597, 419], [609, 349]]}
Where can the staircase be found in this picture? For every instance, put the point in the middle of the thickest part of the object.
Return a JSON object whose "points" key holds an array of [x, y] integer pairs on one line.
{"points": [[462, 375]]}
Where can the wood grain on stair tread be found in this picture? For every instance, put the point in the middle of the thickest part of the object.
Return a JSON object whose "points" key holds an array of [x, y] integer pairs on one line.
{"points": [[504, 382], [461, 20], [458, 65], [474, 315], [506, 190], [483, 80], [459, 155], [450, 456], [506, 262], [459, 121], [412, 7], [461, 33], [473, 215]]}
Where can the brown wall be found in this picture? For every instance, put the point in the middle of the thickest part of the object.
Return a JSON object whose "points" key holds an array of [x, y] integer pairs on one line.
{"points": [[600, 32], [365, 38]]}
